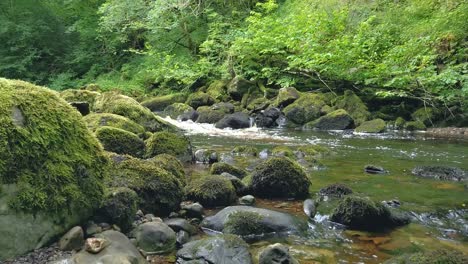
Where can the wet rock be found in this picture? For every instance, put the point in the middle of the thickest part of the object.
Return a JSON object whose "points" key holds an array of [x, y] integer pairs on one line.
{"points": [[208, 115], [182, 237], [236, 121], [364, 214], [72, 240], [206, 156], [195, 210], [226, 249], [279, 178], [287, 96], [178, 224], [373, 169], [335, 190], [95, 245], [247, 200], [175, 110], [310, 208], [155, 238], [336, 120], [440, 173], [242, 219], [268, 117], [276, 254], [119, 251], [189, 115]]}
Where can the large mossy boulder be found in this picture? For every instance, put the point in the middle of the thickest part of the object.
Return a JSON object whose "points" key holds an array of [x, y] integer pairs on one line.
{"points": [[80, 96], [354, 106], [52, 169], [119, 207], [198, 99], [336, 120], [120, 141], [279, 178], [219, 167], [305, 109], [372, 126], [207, 114], [226, 249], [97, 120], [287, 96], [171, 164], [238, 87], [161, 102], [160, 192], [115, 103], [211, 191], [364, 214], [177, 109], [218, 90], [440, 256], [169, 143]]}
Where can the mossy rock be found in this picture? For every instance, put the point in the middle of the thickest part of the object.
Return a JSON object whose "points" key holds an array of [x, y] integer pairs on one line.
{"points": [[115, 103], [372, 126], [305, 109], [120, 141], [400, 123], [364, 214], [335, 190], [160, 192], [218, 90], [287, 96], [440, 256], [169, 143], [414, 125], [161, 102], [75, 95], [282, 151], [198, 99], [245, 151], [220, 167], [171, 164], [354, 106], [279, 178], [245, 223], [239, 86], [119, 207], [177, 109], [336, 120], [208, 115], [211, 191], [427, 115], [97, 120], [51, 167], [259, 104]]}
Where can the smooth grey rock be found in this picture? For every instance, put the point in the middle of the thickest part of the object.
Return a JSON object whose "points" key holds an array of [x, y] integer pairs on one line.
{"points": [[182, 238], [155, 238], [310, 208], [225, 249], [193, 210], [178, 224], [276, 254], [247, 200], [72, 240]]}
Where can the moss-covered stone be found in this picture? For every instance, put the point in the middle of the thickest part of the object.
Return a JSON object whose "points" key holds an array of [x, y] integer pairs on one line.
{"points": [[218, 90], [335, 190], [50, 166], [198, 99], [400, 123], [354, 106], [427, 115], [120, 141], [244, 223], [160, 192], [177, 109], [279, 178], [287, 96], [336, 120], [440, 256], [161, 102], [211, 191], [258, 104], [220, 167], [372, 126], [305, 109], [207, 114], [75, 95], [364, 214], [171, 164], [414, 125], [169, 143], [238, 87], [119, 207], [115, 103], [245, 151], [97, 120], [282, 151]]}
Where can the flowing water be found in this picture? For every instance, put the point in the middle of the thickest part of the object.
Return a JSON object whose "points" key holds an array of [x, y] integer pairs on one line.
{"points": [[439, 208]]}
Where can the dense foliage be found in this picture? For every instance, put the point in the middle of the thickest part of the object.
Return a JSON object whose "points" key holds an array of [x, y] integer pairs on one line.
{"points": [[406, 48]]}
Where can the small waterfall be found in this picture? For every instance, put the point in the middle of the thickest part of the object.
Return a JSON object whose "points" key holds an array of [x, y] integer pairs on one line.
{"points": [[252, 122]]}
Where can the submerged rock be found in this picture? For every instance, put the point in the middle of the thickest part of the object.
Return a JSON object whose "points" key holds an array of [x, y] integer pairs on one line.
{"points": [[226, 249], [276, 254], [440, 173]]}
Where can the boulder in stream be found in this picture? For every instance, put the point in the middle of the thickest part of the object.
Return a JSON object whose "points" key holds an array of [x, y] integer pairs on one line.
{"points": [[236, 121]]}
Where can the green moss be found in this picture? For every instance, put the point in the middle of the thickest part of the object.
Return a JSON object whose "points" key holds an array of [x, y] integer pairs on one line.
{"points": [[286, 96], [245, 151], [305, 109], [169, 143], [414, 125], [218, 90], [258, 104], [400, 123], [112, 102], [283, 151], [208, 115], [372, 126], [354, 106], [160, 192], [211, 191], [220, 167], [441, 256], [427, 115], [120, 141], [74, 95], [279, 178], [161, 102], [244, 223], [198, 99], [171, 164], [47, 151], [176, 109], [97, 120], [336, 120], [119, 207]]}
